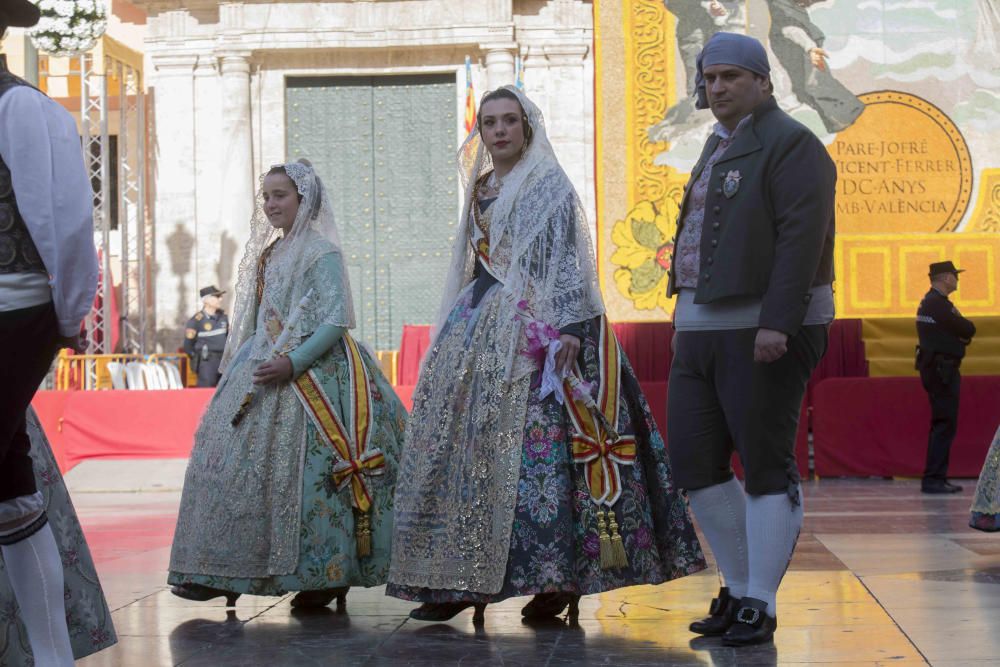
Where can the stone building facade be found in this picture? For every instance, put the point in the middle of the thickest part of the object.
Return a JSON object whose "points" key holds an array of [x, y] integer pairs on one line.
{"points": [[373, 92]]}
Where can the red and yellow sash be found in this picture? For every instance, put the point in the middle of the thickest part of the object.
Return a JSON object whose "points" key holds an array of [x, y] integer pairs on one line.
{"points": [[350, 444], [483, 251], [595, 443], [482, 246], [356, 460]]}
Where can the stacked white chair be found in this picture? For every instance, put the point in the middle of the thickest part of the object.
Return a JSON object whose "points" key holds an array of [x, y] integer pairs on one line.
{"points": [[161, 374], [117, 371], [150, 375], [173, 375], [134, 375]]}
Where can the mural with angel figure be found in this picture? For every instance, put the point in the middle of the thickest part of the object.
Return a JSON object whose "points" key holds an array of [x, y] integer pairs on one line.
{"points": [[904, 95]]}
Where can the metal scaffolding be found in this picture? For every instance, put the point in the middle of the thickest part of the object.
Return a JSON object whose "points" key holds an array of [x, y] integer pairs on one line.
{"points": [[111, 94]]}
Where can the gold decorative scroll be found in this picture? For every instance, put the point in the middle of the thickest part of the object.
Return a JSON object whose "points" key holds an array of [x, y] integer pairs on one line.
{"points": [[650, 88], [986, 217]]}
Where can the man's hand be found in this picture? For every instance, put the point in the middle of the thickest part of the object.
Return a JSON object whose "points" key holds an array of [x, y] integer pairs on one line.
{"points": [[77, 343], [770, 345], [567, 353], [275, 370], [818, 57]]}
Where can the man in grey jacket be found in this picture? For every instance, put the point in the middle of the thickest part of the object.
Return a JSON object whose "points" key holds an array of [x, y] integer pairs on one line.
{"points": [[752, 271]]}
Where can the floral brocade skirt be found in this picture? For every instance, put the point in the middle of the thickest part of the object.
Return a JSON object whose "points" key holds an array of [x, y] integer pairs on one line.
{"points": [[555, 543], [985, 513], [87, 615], [327, 548]]}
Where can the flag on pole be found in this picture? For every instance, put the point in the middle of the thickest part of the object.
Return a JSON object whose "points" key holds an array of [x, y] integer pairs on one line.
{"points": [[470, 97], [519, 72]]}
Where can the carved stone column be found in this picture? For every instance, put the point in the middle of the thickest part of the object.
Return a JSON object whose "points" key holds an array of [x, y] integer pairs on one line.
{"points": [[499, 64], [172, 84], [235, 160], [571, 117], [207, 170]]}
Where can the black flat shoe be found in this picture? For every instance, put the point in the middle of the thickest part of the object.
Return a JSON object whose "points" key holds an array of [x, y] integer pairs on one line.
{"points": [[940, 487], [321, 598], [200, 593], [751, 625], [720, 615], [550, 605], [445, 611]]}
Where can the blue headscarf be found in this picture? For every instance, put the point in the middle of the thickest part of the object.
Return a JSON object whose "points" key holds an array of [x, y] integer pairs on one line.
{"points": [[729, 48]]}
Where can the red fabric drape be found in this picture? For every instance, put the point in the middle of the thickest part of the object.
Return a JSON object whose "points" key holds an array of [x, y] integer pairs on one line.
{"points": [[647, 346], [412, 347], [50, 406], [120, 424], [845, 355], [879, 426]]}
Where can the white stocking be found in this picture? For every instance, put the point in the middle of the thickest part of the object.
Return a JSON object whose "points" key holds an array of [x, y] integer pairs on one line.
{"points": [[720, 511], [773, 526], [35, 569]]}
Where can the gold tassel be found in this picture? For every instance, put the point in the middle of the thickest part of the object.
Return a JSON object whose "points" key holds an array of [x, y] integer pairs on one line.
{"points": [[363, 535], [607, 559], [618, 558]]}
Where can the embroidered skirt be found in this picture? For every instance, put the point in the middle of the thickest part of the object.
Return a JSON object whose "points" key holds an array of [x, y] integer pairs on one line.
{"points": [[554, 540], [327, 550]]}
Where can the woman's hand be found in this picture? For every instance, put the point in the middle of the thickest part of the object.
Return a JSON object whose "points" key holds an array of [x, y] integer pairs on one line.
{"points": [[275, 370], [567, 353]]}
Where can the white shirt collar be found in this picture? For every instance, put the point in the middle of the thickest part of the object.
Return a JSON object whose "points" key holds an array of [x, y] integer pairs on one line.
{"points": [[721, 130]]}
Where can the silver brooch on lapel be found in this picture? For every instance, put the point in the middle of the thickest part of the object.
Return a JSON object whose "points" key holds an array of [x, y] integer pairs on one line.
{"points": [[732, 184]]}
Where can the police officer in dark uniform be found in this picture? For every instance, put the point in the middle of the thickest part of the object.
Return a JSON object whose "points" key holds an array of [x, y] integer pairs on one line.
{"points": [[205, 337], [943, 334]]}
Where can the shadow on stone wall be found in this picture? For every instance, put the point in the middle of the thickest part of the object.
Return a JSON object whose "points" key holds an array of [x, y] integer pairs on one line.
{"points": [[180, 247], [229, 257]]}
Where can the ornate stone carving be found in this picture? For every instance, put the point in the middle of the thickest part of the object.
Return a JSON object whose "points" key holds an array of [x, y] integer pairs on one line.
{"points": [[986, 217]]}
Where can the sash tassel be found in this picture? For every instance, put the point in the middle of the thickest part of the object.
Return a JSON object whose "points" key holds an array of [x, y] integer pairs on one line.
{"points": [[597, 445]]}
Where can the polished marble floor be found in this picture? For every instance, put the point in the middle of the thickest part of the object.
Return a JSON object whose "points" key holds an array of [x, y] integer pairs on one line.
{"points": [[883, 575]]}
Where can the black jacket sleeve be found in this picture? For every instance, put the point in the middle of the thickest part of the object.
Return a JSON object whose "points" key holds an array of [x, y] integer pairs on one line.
{"points": [[802, 188], [948, 318]]}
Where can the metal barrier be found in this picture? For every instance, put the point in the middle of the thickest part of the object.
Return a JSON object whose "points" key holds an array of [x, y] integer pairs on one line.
{"points": [[89, 372], [389, 360]]}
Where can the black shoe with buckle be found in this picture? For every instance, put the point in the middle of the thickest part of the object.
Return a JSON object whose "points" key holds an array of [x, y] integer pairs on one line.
{"points": [[720, 616], [751, 625]]}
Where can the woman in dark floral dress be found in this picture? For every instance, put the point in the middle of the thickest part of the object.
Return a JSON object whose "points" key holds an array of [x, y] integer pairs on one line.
{"points": [[87, 615], [532, 464]]}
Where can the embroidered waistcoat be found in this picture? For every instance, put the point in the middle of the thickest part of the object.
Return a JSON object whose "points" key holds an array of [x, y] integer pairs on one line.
{"points": [[18, 253]]}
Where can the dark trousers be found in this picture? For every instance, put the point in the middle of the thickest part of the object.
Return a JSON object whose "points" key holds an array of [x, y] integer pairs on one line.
{"points": [[942, 382], [720, 399], [208, 370], [28, 343]]}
